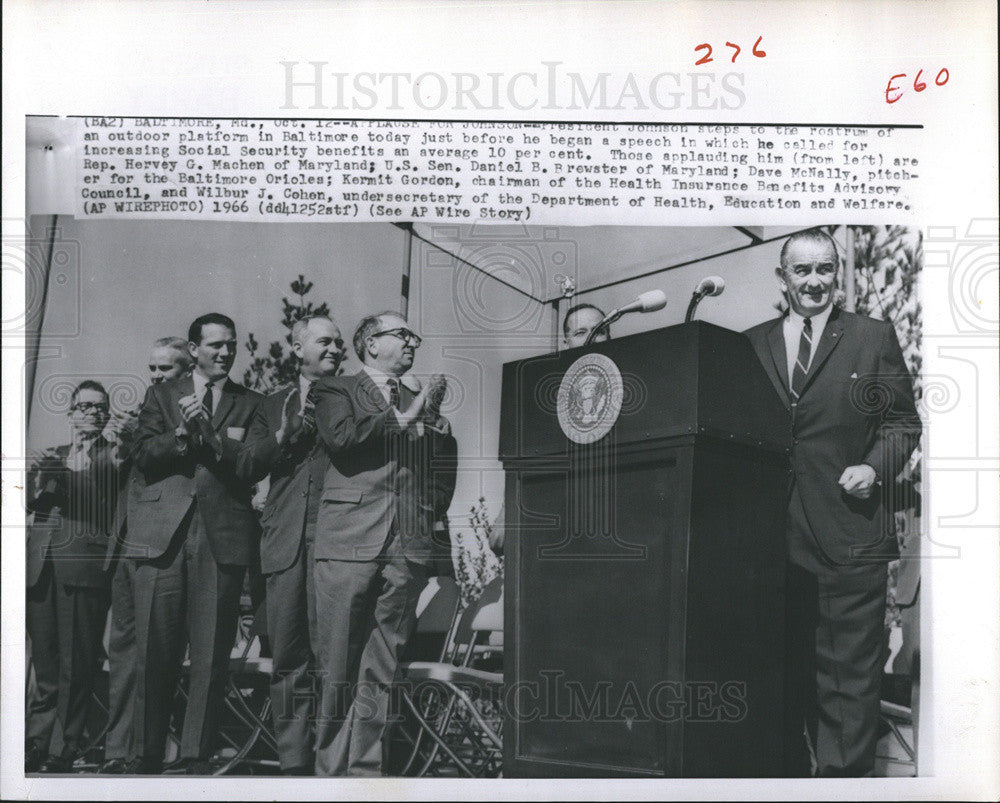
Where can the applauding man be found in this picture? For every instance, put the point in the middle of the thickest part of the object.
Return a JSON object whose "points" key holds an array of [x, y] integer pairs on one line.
{"points": [[373, 535], [192, 532], [168, 359], [282, 442]]}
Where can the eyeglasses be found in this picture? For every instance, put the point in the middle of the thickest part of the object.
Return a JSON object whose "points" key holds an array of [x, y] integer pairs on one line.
{"points": [[87, 407], [403, 334]]}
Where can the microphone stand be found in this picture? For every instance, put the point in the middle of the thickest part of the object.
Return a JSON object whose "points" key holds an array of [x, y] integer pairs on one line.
{"points": [[609, 319], [696, 298]]}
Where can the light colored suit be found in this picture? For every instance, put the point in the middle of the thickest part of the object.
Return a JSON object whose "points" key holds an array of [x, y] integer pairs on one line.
{"points": [[381, 495]]}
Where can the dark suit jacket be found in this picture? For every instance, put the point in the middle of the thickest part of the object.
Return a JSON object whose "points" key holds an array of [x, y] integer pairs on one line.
{"points": [[297, 469], [174, 479], [74, 513], [856, 407], [378, 476], [118, 533]]}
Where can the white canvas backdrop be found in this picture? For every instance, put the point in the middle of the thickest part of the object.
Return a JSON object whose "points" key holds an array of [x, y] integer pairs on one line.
{"points": [[115, 286]]}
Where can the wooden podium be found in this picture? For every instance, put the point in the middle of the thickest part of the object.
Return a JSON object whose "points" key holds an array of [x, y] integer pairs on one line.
{"points": [[645, 569]]}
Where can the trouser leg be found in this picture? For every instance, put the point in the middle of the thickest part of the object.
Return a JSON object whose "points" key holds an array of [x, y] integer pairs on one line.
{"points": [[121, 663], [40, 616], [160, 639], [213, 610], [82, 614], [395, 618], [849, 659], [294, 703], [344, 611]]}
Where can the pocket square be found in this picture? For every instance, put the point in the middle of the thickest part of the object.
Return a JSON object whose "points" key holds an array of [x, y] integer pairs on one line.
{"points": [[854, 375], [235, 433]]}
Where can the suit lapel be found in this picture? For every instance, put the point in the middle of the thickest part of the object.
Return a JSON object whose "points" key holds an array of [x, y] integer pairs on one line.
{"points": [[227, 398], [832, 335], [369, 394], [175, 392], [779, 360]]}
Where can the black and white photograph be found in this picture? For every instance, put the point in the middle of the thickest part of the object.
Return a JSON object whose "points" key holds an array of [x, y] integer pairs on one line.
{"points": [[429, 400], [722, 420]]}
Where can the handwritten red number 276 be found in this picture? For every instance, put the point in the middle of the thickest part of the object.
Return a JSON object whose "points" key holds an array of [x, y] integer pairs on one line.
{"points": [[736, 51]]}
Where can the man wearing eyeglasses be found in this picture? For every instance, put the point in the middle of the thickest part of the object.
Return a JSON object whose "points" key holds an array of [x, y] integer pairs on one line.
{"points": [[391, 467], [72, 492]]}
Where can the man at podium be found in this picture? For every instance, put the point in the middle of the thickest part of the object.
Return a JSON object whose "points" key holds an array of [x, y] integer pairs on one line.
{"points": [[579, 321], [854, 426]]}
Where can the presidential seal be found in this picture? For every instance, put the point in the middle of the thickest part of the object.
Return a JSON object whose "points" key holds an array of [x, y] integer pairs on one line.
{"points": [[590, 398]]}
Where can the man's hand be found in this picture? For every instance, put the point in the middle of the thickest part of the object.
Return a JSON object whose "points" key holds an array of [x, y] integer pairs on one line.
{"points": [[858, 481], [119, 431], [190, 407], [435, 395], [416, 408], [119, 423], [291, 421]]}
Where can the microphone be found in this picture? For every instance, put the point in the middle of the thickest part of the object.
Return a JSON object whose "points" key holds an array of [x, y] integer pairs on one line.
{"points": [[650, 301], [709, 286]]}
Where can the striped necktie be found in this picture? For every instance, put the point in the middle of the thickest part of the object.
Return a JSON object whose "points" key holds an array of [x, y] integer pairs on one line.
{"points": [[207, 402], [802, 360], [309, 411]]}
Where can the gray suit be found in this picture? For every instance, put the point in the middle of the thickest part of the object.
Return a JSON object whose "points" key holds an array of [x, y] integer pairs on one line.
{"points": [[381, 495]]}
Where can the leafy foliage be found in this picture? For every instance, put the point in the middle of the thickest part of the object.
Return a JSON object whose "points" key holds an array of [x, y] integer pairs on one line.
{"points": [[476, 564], [278, 366]]}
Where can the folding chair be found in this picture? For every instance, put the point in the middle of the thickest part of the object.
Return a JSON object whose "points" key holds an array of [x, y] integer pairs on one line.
{"points": [[456, 705], [246, 736], [437, 620], [897, 708], [248, 701]]}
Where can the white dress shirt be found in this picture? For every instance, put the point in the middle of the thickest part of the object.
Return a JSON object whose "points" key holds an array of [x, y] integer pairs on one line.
{"points": [[199, 388], [78, 458], [304, 385], [792, 330], [381, 380]]}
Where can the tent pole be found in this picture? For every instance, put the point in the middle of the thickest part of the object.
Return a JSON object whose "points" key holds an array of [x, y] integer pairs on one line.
{"points": [[34, 339], [555, 322], [404, 301]]}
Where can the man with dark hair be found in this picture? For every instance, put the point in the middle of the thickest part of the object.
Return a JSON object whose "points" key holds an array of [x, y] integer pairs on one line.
{"points": [[72, 492], [192, 533], [282, 443], [389, 477], [854, 426], [168, 359], [579, 321]]}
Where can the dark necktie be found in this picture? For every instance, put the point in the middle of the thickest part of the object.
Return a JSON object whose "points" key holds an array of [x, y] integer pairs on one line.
{"points": [[309, 411], [802, 360], [393, 392], [207, 402]]}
